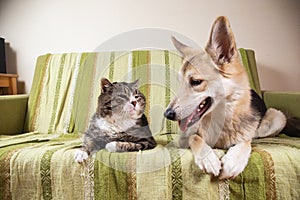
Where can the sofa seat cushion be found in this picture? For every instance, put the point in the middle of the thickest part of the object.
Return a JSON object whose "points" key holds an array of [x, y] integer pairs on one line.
{"points": [[41, 167]]}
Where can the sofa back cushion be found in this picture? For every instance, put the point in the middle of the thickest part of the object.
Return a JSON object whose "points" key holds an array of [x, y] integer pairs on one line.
{"points": [[66, 86], [52, 93], [248, 59]]}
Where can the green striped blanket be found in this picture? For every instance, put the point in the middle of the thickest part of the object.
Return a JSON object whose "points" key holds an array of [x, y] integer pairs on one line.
{"points": [[39, 164]]}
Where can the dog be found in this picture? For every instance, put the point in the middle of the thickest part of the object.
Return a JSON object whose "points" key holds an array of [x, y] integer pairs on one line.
{"points": [[216, 108]]}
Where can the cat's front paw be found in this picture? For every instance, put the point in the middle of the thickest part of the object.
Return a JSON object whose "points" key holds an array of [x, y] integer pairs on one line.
{"points": [[111, 146], [80, 156]]}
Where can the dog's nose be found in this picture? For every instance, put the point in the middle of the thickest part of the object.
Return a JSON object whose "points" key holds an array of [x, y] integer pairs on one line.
{"points": [[170, 114]]}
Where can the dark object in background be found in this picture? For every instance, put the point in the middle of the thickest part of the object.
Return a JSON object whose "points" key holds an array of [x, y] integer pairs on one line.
{"points": [[2, 56], [292, 127]]}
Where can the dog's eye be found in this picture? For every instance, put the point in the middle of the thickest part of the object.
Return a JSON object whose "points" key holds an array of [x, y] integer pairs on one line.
{"points": [[195, 82]]}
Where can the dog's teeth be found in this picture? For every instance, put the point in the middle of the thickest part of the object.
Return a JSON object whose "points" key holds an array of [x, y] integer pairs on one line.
{"points": [[198, 109], [202, 105]]}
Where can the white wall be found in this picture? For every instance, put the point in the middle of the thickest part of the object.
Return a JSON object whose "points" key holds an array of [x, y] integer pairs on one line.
{"points": [[270, 27]]}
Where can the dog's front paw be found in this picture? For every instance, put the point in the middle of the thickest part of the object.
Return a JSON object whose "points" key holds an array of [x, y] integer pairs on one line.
{"points": [[111, 146], [80, 156], [209, 162], [235, 160], [205, 158]]}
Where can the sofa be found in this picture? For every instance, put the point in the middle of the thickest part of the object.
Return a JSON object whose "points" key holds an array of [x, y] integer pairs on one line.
{"points": [[40, 132]]}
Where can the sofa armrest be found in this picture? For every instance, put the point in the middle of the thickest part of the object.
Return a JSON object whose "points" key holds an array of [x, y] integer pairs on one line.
{"points": [[12, 114], [288, 102]]}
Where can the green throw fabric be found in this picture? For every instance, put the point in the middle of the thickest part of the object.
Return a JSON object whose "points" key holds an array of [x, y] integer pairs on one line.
{"points": [[65, 102], [47, 170], [39, 163]]}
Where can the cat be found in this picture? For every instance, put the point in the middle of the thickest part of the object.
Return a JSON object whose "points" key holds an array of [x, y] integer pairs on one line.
{"points": [[119, 123]]}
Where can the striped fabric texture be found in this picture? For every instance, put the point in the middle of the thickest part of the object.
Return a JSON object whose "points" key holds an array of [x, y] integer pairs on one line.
{"points": [[39, 164], [66, 87]]}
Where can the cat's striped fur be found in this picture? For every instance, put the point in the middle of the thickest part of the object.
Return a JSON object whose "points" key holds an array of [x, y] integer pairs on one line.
{"points": [[119, 123]]}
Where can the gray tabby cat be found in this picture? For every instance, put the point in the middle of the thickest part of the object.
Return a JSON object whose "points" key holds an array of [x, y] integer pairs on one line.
{"points": [[119, 123]]}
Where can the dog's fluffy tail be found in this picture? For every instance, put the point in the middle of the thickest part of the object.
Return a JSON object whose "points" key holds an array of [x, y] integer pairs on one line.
{"points": [[276, 122], [271, 124]]}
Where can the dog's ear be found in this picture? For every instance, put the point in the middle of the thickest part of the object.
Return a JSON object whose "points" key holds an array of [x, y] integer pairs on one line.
{"points": [[221, 44], [184, 50]]}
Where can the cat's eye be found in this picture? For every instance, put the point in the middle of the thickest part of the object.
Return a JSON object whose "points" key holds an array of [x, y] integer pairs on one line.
{"points": [[124, 97], [118, 100], [195, 82], [136, 95]]}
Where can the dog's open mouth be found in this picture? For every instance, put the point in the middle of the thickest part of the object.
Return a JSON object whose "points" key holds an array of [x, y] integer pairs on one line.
{"points": [[196, 114]]}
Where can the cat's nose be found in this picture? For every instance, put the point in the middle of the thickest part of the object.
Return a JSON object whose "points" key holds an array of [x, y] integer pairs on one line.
{"points": [[170, 114], [133, 103]]}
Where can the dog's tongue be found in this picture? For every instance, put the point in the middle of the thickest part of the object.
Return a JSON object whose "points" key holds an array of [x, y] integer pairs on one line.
{"points": [[183, 124]]}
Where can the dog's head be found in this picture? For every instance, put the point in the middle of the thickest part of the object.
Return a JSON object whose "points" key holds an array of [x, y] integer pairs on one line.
{"points": [[209, 77]]}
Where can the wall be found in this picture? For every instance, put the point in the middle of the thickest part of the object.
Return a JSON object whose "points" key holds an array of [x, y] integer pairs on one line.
{"points": [[35, 27]]}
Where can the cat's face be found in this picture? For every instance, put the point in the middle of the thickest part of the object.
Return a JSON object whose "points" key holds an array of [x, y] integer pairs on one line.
{"points": [[120, 100]]}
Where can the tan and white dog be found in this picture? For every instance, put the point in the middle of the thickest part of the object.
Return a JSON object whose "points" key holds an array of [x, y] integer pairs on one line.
{"points": [[215, 106]]}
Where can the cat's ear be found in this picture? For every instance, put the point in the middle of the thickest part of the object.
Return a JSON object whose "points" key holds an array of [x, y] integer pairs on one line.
{"points": [[135, 84], [105, 83]]}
